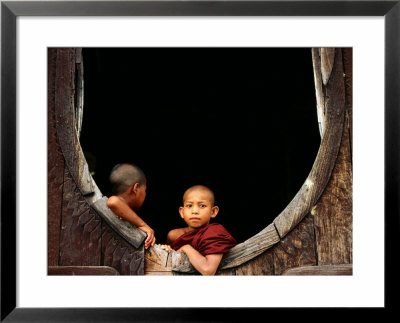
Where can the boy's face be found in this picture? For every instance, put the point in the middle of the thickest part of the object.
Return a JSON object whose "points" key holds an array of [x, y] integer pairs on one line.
{"points": [[198, 209]]}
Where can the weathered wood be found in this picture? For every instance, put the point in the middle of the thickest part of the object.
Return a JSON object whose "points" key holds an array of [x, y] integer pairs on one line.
{"points": [[251, 248], [321, 171], [119, 254], [181, 263], [79, 91], [81, 271], [327, 60], [261, 265], [65, 120], [297, 248], [333, 212], [324, 270], [128, 231], [348, 71], [55, 170], [80, 230], [318, 90], [157, 262], [226, 272]]}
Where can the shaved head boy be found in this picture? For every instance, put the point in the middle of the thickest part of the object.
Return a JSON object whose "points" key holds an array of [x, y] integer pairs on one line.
{"points": [[129, 186], [202, 242]]}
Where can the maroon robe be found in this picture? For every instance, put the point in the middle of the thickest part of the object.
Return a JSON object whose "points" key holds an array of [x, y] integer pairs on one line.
{"points": [[211, 239]]}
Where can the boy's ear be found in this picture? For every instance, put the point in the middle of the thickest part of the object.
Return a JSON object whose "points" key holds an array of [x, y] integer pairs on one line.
{"points": [[214, 210], [135, 188], [181, 211]]}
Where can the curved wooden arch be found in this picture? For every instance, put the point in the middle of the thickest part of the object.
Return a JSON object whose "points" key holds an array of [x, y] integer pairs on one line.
{"points": [[330, 93]]}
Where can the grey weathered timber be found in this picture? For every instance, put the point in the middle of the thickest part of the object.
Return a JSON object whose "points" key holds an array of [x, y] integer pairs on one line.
{"points": [[128, 231], [321, 171], [324, 270]]}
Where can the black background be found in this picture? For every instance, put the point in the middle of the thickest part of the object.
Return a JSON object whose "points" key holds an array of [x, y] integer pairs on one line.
{"points": [[239, 120]]}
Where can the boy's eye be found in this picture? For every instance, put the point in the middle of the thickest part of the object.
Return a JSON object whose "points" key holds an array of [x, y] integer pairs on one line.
{"points": [[188, 205], [203, 205]]}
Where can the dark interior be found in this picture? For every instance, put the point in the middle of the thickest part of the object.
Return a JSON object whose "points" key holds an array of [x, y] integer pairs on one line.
{"points": [[239, 120]]}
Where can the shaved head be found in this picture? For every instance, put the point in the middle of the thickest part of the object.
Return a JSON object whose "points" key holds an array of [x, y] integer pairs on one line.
{"points": [[200, 188], [124, 176]]}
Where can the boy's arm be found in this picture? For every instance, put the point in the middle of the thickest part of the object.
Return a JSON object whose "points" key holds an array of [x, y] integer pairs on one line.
{"points": [[123, 211], [206, 265]]}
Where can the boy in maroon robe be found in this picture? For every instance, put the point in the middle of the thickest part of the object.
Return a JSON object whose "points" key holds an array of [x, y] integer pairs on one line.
{"points": [[202, 242]]}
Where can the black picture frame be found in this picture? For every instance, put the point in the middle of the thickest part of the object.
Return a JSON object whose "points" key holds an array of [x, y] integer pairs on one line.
{"points": [[10, 10]]}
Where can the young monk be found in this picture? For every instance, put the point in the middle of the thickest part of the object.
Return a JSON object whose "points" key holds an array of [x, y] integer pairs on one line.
{"points": [[129, 186], [202, 242]]}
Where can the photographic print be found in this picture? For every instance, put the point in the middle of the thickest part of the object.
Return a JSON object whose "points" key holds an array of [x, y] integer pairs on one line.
{"points": [[267, 131]]}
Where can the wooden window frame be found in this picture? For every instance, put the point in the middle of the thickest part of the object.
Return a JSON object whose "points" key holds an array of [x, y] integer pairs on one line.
{"points": [[329, 79]]}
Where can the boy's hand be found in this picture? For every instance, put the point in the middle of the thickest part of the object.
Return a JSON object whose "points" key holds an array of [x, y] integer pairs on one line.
{"points": [[151, 239], [183, 248], [166, 247]]}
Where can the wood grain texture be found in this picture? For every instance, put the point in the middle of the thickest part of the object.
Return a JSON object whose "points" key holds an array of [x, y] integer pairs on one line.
{"points": [[333, 212], [81, 229], [321, 171], [297, 248], [324, 270], [157, 262], [327, 60], [55, 170], [79, 92], [65, 119], [320, 99], [81, 271], [348, 71], [251, 248], [119, 254], [261, 265]]}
